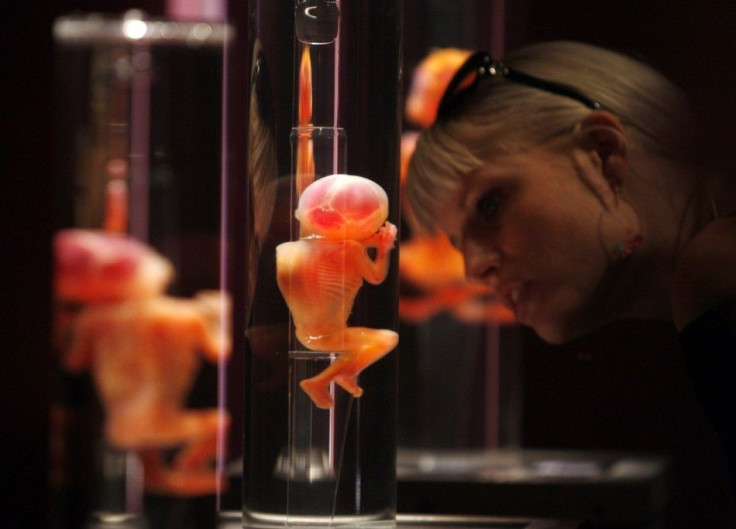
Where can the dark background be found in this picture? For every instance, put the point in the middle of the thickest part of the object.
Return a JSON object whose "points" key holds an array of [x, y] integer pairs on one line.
{"points": [[583, 396]]}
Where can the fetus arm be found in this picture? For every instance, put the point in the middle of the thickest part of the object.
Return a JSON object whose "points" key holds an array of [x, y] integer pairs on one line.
{"points": [[190, 472], [375, 270], [211, 324]]}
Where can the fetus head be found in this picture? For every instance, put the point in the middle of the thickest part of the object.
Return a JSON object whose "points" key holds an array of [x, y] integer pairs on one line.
{"points": [[342, 206], [93, 266]]}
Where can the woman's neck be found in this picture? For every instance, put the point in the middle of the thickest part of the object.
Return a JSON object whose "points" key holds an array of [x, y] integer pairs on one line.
{"points": [[672, 207]]}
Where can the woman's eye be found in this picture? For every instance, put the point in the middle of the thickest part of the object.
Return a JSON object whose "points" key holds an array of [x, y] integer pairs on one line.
{"points": [[488, 205]]}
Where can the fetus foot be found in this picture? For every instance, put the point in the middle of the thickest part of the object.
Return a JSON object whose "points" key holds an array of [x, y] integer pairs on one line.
{"points": [[344, 372], [367, 346], [349, 383], [317, 388]]}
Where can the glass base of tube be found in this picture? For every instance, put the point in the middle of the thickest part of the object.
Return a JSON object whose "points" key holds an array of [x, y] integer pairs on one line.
{"points": [[256, 520]]}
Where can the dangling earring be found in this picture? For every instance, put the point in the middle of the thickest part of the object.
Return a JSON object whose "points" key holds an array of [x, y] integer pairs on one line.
{"points": [[624, 250]]}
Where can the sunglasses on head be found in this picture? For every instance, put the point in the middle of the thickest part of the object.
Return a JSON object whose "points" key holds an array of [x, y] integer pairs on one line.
{"points": [[480, 65]]}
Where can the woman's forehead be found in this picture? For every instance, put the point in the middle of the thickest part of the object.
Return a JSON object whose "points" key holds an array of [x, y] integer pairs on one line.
{"points": [[502, 170], [496, 169], [511, 164]]}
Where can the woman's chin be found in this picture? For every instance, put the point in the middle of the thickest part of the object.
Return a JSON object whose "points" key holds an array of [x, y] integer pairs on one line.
{"points": [[551, 336], [559, 333]]}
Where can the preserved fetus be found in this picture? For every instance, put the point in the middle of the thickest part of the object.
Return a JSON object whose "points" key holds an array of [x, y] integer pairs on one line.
{"points": [[342, 218], [143, 351]]}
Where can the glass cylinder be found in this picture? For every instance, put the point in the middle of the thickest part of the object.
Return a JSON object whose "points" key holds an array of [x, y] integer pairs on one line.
{"points": [[321, 367], [143, 326], [474, 402]]}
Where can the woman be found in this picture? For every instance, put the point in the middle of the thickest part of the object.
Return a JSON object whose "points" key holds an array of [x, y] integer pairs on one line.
{"points": [[566, 178]]}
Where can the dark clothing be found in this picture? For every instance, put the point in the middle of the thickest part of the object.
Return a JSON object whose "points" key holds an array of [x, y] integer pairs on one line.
{"points": [[710, 348]]}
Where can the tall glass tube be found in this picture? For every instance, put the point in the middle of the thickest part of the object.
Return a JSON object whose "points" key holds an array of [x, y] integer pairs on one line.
{"points": [[320, 413], [142, 318], [474, 403]]}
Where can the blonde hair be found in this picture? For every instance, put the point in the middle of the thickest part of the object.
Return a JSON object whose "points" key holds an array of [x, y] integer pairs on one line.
{"points": [[505, 117]]}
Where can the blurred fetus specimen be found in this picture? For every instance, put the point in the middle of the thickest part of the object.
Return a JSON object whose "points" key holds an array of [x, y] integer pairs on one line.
{"points": [[429, 81], [341, 217], [429, 263], [142, 348]]}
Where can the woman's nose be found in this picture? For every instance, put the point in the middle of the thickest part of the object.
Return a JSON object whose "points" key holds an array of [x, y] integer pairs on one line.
{"points": [[481, 262]]}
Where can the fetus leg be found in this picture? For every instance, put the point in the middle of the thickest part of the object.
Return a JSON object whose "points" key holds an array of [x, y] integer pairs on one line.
{"points": [[202, 450], [359, 347], [161, 478], [164, 429], [191, 471]]}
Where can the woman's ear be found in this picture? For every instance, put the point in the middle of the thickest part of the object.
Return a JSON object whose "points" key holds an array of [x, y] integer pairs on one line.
{"points": [[605, 134]]}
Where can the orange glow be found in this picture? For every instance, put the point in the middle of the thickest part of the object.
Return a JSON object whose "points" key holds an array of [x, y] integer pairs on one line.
{"points": [[305, 148], [116, 206], [429, 81]]}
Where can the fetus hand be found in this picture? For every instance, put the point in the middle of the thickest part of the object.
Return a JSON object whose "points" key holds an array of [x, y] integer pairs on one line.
{"points": [[383, 239], [319, 276], [374, 271]]}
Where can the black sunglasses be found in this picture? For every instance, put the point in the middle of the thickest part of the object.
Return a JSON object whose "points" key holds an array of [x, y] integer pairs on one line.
{"points": [[480, 66]]}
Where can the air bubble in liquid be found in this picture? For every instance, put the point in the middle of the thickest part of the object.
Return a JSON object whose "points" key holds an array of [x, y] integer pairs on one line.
{"points": [[317, 21]]}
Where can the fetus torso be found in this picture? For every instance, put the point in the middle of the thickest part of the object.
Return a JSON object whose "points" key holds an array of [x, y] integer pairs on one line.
{"points": [[320, 279]]}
